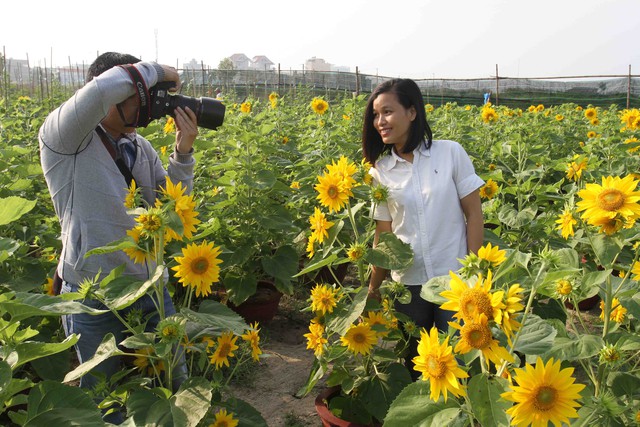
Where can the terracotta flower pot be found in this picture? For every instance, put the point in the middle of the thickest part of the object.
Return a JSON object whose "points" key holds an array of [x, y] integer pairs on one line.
{"points": [[327, 417], [261, 306]]}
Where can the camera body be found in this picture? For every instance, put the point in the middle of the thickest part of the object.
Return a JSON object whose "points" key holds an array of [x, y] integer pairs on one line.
{"points": [[209, 111]]}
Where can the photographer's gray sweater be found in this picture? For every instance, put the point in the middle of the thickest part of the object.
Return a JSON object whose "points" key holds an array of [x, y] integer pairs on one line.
{"points": [[87, 189]]}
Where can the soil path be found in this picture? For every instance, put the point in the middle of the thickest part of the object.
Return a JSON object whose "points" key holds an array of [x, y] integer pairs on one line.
{"points": [[274, 382]]}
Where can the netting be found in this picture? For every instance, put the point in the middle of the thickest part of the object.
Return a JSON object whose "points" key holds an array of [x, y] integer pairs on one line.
{"points": [[624, 90]]}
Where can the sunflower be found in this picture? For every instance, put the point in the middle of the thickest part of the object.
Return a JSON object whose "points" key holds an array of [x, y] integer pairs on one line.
{"points": [[634, 141], [170, 330], [198, 267], [374, 318], [224, 350], [315, 338], [185, 208], [591, 113], [331, 192], [574, 170], [319, 106], [635, 270], [476, 335], [428, 108], [563, 287], [320, 225], [147, 361], [151, 222], [559, 117], [544, 394], [617, 311], [489, 115], [295, 185], [252, 337], [324, 299], [379, 193], [630, 118], [273, 99], [489, 190], [131, 200], [245, 107], [492, 254], [224, 419], [566, 223], [48, 287], [311, 250], [611, 226], [512, 306], [616, 196], [609, 354], [468, 301], [591, 134], [438, 365], [136, 253], [359, 339], [170, 126], [356, 251], [344, 169]]}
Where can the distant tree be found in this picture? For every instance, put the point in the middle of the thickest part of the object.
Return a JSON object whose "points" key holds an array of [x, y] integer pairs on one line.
{"points": [[226, 72]]}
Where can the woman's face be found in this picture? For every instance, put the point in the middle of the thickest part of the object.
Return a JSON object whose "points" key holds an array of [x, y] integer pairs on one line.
{"points": [[392, 120]]}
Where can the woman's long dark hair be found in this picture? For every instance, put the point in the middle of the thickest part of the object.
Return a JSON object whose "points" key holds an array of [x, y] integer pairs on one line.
{"points": [[409, 95]]}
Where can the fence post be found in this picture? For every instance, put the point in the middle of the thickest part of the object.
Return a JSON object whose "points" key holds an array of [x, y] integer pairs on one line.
{"points": [[629, 88], [497, 86], [357, 81], [5, 86]]}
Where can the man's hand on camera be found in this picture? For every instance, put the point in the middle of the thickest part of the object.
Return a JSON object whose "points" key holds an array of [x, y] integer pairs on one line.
{"points": [[171, 75], [186, 129]]}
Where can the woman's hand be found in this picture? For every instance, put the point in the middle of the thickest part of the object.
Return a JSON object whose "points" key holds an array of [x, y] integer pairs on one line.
{"points": [[186, 129]]}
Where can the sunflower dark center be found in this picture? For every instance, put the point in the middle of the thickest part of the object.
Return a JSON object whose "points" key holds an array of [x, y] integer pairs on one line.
{"points": [[200, 265], [436, 367], [545, 398], [611, 199]]}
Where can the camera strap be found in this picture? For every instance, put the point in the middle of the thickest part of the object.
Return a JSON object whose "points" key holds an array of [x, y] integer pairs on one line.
{"points": [[124, 170], [144, 112]]}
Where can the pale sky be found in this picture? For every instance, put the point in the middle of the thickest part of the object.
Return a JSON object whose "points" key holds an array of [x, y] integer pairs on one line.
{"points": [[394, 38]]}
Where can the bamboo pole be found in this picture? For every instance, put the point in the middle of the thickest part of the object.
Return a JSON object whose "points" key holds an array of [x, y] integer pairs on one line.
{"points": [[4, 76], [629, 88], [497, 86]]}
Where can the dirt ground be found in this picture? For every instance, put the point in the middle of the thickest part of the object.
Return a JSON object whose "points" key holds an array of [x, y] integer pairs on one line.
{"points": [[271, 387]]}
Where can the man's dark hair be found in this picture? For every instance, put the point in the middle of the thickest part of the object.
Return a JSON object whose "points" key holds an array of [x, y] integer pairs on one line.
{"points": [[107, 61], [409, 95]]}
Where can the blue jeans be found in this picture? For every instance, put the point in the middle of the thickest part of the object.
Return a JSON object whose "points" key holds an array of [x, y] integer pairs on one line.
{"points": [[93, 328]]}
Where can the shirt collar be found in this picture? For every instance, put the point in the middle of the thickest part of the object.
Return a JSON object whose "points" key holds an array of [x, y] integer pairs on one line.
{"points": [[395, 159]]}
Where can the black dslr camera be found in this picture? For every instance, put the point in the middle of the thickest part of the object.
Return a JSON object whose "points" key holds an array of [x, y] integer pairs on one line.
{"points": [[209, 111]]}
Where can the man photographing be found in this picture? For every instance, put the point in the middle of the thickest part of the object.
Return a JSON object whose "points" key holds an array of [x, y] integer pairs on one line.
{"points": [[90, 152]]}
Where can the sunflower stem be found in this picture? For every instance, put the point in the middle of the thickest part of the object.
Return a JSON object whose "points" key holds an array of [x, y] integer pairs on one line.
{"points": [[525, 314]]}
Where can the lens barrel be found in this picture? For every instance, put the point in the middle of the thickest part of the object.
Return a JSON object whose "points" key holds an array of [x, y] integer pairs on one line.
{"points": [[209, 112]]}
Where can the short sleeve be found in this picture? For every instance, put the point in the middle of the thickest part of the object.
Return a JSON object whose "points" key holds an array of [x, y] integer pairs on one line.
{"points": [[466, 179]]}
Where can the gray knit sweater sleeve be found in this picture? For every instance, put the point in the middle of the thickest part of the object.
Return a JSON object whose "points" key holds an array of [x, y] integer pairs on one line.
{"points": [[68, 128]]}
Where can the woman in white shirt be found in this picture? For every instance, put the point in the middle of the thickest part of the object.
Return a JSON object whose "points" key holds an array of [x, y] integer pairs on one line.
{"points": [[433, 203]]}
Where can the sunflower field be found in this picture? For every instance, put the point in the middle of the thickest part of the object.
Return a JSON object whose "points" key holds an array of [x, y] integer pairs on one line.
{"points": [[281, 194]]}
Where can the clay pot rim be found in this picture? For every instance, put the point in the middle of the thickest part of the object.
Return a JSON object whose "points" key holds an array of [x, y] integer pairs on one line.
{"points": [[322, 408]]}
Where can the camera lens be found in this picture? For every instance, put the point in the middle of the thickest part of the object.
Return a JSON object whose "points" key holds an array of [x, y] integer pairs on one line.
{"points": [[209, 112]]}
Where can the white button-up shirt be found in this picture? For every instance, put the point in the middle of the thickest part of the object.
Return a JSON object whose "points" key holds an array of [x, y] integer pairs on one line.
{"points": [[424, 206]]}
